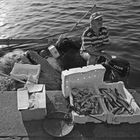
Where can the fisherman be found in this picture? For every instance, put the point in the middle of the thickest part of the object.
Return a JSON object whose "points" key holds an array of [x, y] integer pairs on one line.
{"points": [[94, 40], [117, 69]]}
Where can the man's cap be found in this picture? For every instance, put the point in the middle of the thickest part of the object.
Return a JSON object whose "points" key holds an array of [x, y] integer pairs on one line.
{"points": [[95, 15]]}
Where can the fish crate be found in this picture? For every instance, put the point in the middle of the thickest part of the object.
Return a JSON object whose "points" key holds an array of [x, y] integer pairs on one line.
{"points": [[81, 84], [87, 105], [120, 104], [31, 102], [82, 76]]}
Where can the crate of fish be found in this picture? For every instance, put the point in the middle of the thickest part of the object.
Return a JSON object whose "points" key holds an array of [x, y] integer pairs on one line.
{"points": [[79, 84], [120, 104], [87, 105], [88, 75]]}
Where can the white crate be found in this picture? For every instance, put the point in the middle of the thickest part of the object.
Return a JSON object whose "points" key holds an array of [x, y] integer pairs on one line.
{"points": [[122, 118], [26, 72], [88, 75], [23, 98]]}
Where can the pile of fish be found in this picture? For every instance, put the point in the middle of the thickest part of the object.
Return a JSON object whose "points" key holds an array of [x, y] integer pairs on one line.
{"points": [[86, 101], [115, 102]]}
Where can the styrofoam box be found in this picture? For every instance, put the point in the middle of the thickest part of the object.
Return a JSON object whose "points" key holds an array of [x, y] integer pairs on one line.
{"points": [[89, 77], [117, 119], [92, 74], [24, 71], [23, 102]]}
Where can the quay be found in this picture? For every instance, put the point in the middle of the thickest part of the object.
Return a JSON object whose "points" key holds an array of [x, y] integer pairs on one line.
{"points": [[12, 127]]}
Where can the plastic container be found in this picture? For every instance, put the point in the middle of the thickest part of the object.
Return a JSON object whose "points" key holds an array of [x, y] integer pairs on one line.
{"points": [[86, 77], [31, 102], [26, 71], [53, 51]]}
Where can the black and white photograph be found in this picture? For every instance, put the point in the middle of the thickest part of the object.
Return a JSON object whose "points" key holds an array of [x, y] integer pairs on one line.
{"points": [[69, 69]]}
